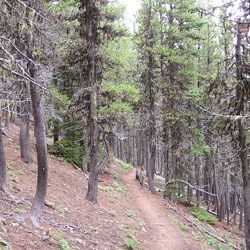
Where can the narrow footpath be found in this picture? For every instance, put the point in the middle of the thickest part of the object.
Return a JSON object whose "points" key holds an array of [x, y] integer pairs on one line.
{"points": [[165, 233]]}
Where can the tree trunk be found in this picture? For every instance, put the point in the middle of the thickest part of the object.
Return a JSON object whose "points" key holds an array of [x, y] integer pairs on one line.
{"points": [[86, 152], [243, 149], [24, 135], [2, 165], [92, 193], [42, 159], [246, 181], [92, 15]]}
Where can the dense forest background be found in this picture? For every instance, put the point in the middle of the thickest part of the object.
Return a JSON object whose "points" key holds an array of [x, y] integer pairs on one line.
{"points": [[172, 96]]}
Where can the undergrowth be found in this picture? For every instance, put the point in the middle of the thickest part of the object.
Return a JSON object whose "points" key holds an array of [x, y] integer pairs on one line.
{"points": [[203, 215], [126, 166]]}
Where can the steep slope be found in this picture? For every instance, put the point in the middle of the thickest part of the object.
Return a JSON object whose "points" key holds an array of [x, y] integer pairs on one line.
{"points": [[127, 216]]}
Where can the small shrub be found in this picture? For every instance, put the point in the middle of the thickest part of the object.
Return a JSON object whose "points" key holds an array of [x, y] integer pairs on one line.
{"points": [[13, 176], [106, 188], [131, 243], [212, 241], [64, 245], [9, 142], [119, 187], [171, 191], [203, 215], [126, 166], [58, 234], [184, 228], [130, 214], [118, 176], [142, 225], [68, 151]]}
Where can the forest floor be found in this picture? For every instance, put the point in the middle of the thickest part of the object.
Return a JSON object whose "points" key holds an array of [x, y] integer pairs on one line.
{"points": [[126, 217]]}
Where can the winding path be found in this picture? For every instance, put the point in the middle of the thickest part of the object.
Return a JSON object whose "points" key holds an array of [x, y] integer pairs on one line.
{"points": [[165, 233]]}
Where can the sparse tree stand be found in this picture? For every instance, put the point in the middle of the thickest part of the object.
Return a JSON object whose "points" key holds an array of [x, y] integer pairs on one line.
{"points": [[91, 35]]}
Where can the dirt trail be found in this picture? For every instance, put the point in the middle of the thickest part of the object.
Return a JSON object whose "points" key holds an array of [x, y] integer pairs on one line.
{"points": [[165, 233]]}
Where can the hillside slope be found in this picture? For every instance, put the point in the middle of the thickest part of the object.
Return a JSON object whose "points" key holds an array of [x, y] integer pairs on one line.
{"points": [[127, 216]]}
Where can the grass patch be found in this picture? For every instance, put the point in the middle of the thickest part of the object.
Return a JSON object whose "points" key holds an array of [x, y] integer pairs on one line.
{"points": [[64, 245], [203, 215], [106, 188], [117, 175], [131, 242], [58, 234], [130, 214], [126, 166], [118, 187], [13, 176], [184, 228], [4, 245], [143, 225], [9, 142]]}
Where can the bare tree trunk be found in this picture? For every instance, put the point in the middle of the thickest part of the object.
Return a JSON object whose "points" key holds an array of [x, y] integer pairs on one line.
{"points": [[24, 135], [92, 16], [243, 149], [92, 193], [86, 152], [42, 159], [2, 165], [246, 181]]}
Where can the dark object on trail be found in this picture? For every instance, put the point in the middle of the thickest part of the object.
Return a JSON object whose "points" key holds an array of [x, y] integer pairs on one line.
{"points": [[139, 175]]}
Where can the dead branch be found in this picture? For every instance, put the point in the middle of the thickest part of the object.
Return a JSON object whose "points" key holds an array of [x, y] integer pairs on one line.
{"points": [[190, 185], [201, 228]]}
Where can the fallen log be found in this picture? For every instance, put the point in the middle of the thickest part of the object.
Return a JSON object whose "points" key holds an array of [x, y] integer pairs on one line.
{"points": [[201, 228]]}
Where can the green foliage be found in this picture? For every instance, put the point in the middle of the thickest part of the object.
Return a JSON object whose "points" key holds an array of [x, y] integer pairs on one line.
{"points": [[130, 214], [199, 146], [184, 228], [126, 166], [203, 215], [64, 245], [70, 151], [9, 142], [118, 187], [13, 176], [142, 224], [116, 109], [4, 245], [131, 242], [117, 175], [171, 190], [59, 95], [213, 242], [194, 93], [125, 91], [65, 7]]}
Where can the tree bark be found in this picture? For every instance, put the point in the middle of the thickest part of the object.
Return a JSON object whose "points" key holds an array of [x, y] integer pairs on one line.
{"points": [[92, 193], [2, 165], [243, 150], [24, 135], [86, 152], [42, 159], [91, 35], [246, 181]]}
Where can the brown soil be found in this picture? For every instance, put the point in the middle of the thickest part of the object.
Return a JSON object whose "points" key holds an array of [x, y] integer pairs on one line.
{"points": [[165, 233], [126, 212]]}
